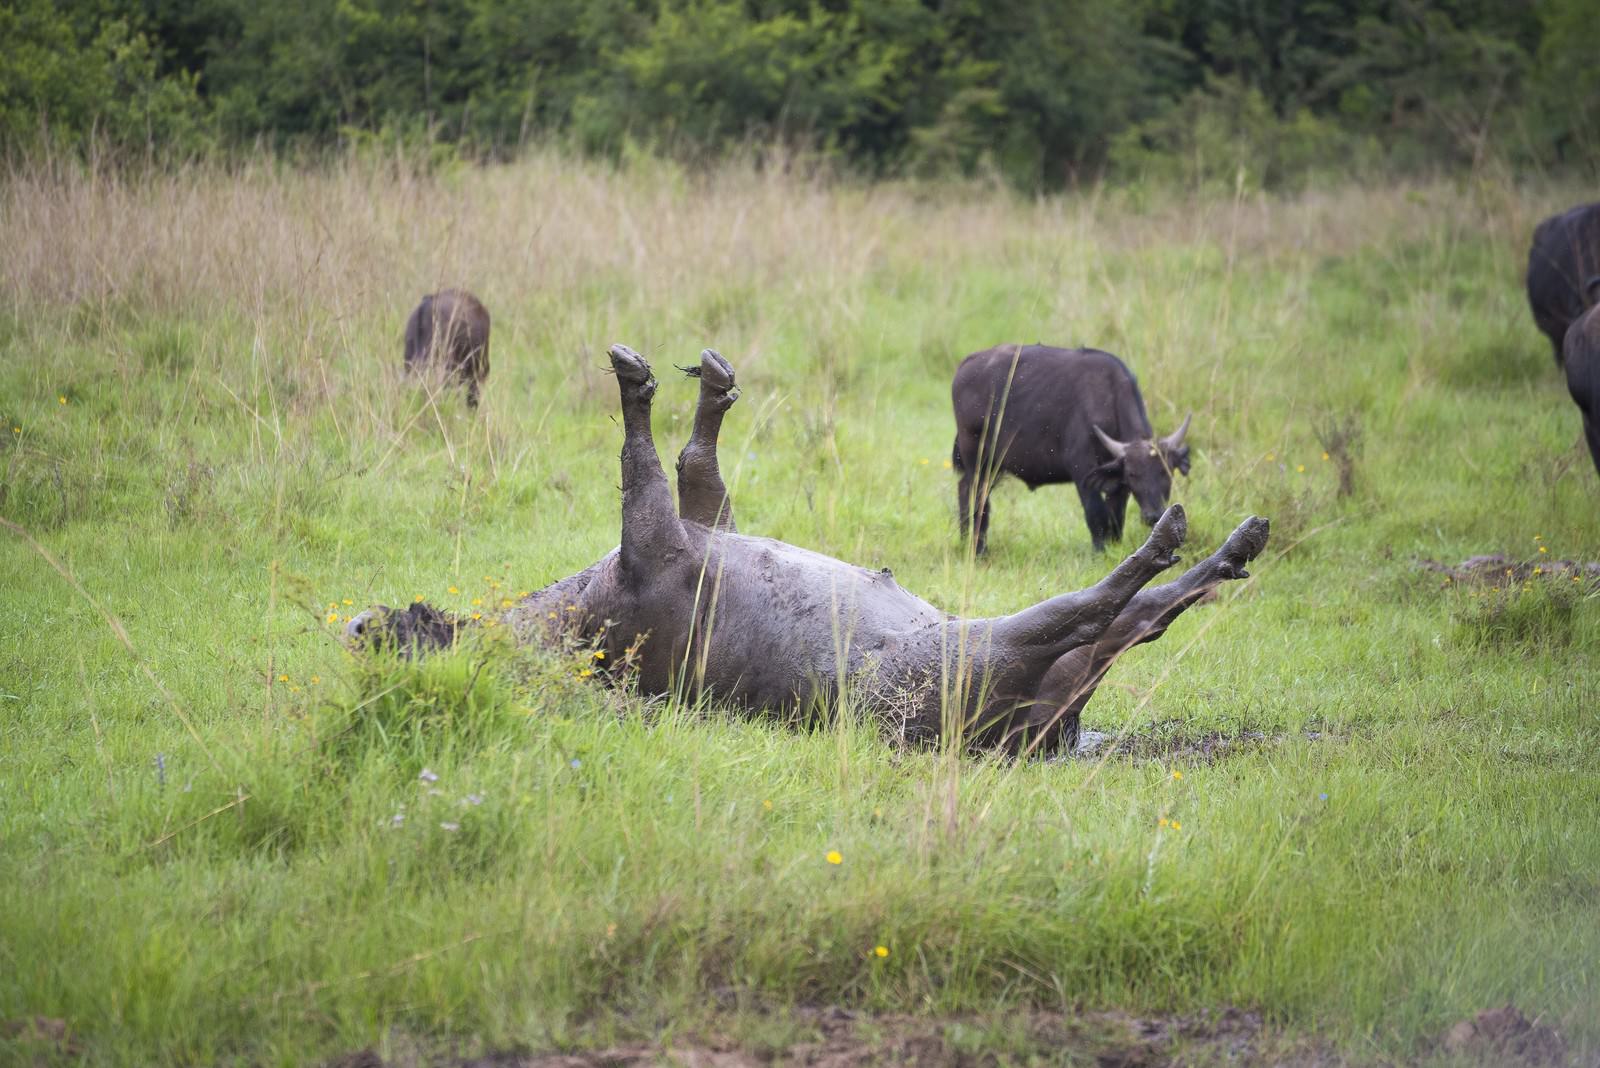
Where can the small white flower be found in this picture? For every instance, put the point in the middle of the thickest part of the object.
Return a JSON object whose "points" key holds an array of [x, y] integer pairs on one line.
{"points": [[427, 776], [397, 820], [472, 799], [448, 826]]}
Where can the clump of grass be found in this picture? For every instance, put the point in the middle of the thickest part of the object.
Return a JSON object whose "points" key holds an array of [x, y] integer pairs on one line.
{"points": [[1532, 615], [407, 712]]}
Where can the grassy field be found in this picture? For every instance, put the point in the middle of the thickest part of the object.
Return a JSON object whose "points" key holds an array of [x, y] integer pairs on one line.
{"points": [[225, 840]]}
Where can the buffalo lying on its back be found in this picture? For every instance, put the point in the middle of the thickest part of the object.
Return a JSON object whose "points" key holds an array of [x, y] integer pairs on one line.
{"points": [[690, 605], [451, 327], [1050, 415], [1565, 254], [1581, 360]]}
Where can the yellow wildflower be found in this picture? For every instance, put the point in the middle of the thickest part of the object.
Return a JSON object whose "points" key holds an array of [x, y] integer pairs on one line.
{"points": [[1325, 456], [767, 804], [1177, 826], [1177, 774], [454, 590], [585, 673], [283, 678], [316, 680], [417, 598], [1301, 468], [947, 465], [881, 951], [477, 600], [477, 615], [599, 654], [834, 857], [333, 617], [62, 398], [1162, 822], [923, 461], [348, 601]]}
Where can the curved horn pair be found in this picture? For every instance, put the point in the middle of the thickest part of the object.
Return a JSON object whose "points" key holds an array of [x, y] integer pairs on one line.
{"points": [[1118, 449]]}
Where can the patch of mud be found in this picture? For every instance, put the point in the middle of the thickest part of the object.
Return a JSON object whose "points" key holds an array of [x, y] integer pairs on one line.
{"points": [[37, 1040], [1498, 569], [1505, 1036], [1166, 742], [837, 1038]]}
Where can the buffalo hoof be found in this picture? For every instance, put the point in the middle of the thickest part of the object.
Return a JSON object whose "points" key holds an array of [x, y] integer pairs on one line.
{"points": [[1167, 535], [717, 388], [632, 370], [1242, 546]]}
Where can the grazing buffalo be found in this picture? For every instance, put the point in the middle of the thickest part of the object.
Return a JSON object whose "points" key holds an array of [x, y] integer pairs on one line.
{"points": [[1581, 358], [451, 327], [1050, 415], [1565, 253], [688, 605]]}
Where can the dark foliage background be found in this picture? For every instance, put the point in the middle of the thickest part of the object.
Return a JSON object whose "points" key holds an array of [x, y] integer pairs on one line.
{"points": [[1043, 92]]}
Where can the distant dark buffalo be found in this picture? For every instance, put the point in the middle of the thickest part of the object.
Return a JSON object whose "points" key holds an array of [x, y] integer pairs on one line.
{"points": [[451, 327], [1052, 415], [1565, 253], [1581, 358]]}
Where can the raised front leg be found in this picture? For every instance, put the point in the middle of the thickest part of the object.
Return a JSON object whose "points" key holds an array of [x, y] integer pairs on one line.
{"points": [[702, 496], [1051, 720], [651, 532]]}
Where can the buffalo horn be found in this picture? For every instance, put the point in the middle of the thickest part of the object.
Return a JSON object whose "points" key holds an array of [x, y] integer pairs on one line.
{"points": [[1175, 439], [1116, 448]]}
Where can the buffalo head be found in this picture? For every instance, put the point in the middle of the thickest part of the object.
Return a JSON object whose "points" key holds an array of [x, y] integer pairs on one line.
{"points": [[1142, 467]]}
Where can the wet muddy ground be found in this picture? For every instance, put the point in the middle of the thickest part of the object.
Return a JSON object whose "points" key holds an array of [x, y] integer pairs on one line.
{"points": [[1169, 741], [837, 1038]]}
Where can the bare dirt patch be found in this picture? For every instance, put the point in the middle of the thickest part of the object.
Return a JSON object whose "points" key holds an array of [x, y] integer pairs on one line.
{"points": [[838, 1038], [1505, 1036], [1499, 570]]}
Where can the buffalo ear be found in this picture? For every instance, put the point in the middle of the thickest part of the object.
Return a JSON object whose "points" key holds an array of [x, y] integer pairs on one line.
{"points": [[1180, 459], [1105, 478]]}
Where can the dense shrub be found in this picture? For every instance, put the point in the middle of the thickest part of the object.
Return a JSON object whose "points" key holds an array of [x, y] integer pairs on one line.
{"points": [[1047, 92]]}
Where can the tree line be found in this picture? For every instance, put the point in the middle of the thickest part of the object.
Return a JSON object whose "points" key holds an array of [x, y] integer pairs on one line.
{"points": [[1044, 92]]}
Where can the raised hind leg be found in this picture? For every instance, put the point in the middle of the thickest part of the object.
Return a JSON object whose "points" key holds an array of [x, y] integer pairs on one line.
{"points": [[1050, 721], [652, 535], [702, 496]]}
